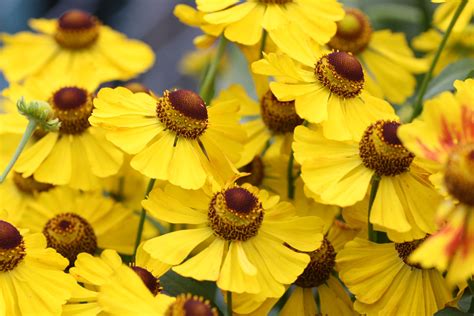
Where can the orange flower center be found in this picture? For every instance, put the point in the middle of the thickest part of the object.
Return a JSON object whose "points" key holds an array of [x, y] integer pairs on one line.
{"points": [[235, 214], [382, 151], [77, 29], [12, 247], [73, 107], [459, 176], [280, 117], [341, 73], [319, 269], [183, 112], [353, 32], [190, 305], [152, 283], [70, 234]]}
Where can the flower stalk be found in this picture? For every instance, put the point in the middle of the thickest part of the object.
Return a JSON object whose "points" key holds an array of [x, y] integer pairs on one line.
{"points": [[373, 193], [141, 223], [207, 87], [418, 105]]}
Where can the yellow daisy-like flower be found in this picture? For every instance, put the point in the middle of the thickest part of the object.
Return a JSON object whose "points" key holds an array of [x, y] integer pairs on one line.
{"points": [[77, 155], [380, 52], [328, 88], [94, 272], [174, 137], [245, 21], [445, 12], [75, 222], [384, 283], [340, 173], [319, 274], [69, 44], [32, 277], [245, 231], [444, 134], [459, 45]]}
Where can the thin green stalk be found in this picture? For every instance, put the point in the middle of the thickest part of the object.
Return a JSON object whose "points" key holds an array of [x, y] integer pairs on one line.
{"points": [[141, 223], [290, 177], [373, 192], [229, 303], [418, 105], [208, 84], [263, 43], [30, 129]]}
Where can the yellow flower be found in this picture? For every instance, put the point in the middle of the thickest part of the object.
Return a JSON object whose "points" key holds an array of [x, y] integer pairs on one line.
{"points": [[190, 16], [32, 277], [245, 231], [444, 14], [459, 45], [245, 21], [69, 44], [340, 173], [333, 299], [385, 284], [328, 88], [444, 134], [380, 52], [94, 272], [175, 137], [75, 222], [77, 155]]}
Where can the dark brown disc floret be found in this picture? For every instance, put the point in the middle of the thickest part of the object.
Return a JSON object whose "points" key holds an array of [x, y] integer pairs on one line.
{"points": [[353, 32], [77, 29], [12, 246]]}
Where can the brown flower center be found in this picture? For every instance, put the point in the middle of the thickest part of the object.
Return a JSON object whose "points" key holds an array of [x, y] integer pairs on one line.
{"points": [[319, 269], [12, 247], [353, 32], [183, 112], [256, 170], [382, 151], [30, 185], [190, 305], [459, 176], [235, 214], [280, 117], [72, 106], [70, 234], [77, 29], [405, 249], [152, 283], [341, 73]]}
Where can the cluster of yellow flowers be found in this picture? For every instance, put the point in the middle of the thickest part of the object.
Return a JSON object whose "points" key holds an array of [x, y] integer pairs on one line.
{"points": [[316, 198]]}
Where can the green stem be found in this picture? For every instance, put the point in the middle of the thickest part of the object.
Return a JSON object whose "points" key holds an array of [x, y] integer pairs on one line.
{"points": [[141, 223], [30, 129], [229, 303], [263, 43], [418, 106], [208, 83], [290, 177], [373, 193], [470, 284]]}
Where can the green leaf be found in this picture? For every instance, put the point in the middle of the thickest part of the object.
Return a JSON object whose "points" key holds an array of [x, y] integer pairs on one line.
{"points": [[459, 70], [175, 284]]}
